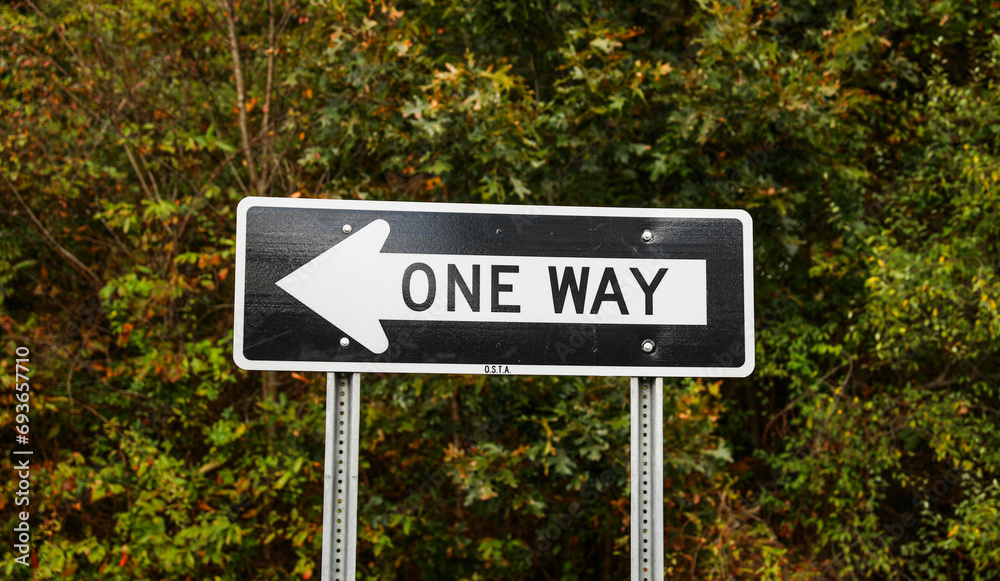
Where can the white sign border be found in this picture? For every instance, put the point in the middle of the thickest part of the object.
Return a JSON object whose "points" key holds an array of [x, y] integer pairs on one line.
{"points": [[492, 368]]}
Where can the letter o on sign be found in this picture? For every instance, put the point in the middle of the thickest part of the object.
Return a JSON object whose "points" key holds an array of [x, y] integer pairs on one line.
{"points": [[431, 287]]}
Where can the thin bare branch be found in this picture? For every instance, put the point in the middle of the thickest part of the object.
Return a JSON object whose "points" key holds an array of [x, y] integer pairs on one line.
{"points": [[267, 163], [152, 180], [241, 98], [138, 172], [239, 181], [73, 260]]}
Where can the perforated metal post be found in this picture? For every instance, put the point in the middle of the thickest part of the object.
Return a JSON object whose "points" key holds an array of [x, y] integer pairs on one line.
{"points": [[647, 479], [340, 476]]}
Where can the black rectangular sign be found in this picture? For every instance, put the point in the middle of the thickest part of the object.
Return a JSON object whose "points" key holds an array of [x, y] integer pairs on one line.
{"points": [[361, 286]]}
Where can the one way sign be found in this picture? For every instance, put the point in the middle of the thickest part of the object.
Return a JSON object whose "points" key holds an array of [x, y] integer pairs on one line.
{"points": [[357, 286]]}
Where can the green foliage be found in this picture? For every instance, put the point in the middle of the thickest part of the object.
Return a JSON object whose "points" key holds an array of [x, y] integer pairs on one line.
{"points": [[864, 139]]}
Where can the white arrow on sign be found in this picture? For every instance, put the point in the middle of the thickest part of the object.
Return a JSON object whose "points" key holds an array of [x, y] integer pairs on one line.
{"points": [[355, 287]]}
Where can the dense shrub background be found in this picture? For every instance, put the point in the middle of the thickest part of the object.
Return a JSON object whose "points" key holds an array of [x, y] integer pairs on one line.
{"points": [[863, 137]]}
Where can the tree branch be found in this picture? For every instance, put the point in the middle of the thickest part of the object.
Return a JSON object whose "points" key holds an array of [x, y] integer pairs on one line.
{"points": [[73, 260], [265, 127], [241, 97]]}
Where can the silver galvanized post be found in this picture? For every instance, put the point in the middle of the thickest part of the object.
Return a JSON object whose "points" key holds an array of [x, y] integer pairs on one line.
{"points": [[340, 476], [647, 479]]}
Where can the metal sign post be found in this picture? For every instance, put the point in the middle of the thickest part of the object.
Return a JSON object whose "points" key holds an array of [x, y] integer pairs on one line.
{"points": [[340, 476], [646, 549]]}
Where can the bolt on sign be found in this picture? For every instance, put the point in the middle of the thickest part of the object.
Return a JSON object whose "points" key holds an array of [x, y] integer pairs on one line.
{"points": [[363, 286]]}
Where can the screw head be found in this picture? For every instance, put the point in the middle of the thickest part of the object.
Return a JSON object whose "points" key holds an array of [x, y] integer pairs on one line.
{"points": [[347, 228], [344, 341], [648, 345], [647, 235]]}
